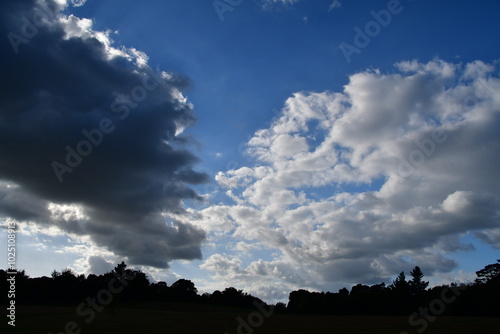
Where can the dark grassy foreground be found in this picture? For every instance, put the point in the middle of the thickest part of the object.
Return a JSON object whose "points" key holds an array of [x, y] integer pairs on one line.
{"points": [[188, 318]]}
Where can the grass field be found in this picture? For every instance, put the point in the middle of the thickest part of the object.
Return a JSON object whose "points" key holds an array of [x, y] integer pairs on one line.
{"points": [[192, 319]]}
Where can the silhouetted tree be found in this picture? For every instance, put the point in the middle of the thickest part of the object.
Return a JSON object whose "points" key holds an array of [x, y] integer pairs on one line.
{"points": [[159, 291], [489, 273], [280, 307], [416, 284], [184, 290], [22, 276], [54, 274], [359, 290], [138, 283], [400, 284], [66, 287], [40, 289], [400, 295], [233, 297], [216, 297], [344, 292], [299, 301]]}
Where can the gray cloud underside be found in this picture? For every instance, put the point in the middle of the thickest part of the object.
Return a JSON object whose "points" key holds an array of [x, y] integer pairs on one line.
{"points": [[66, 79]]}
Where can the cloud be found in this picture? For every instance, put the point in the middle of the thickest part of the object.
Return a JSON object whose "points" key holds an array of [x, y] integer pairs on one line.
{"points": [[355, 186], [260, 278], [99, 265], [78, 3], [92, 137], [491, 237]]}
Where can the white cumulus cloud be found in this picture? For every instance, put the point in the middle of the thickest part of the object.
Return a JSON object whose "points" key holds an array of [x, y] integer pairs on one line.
{"points": [[355, 186]]}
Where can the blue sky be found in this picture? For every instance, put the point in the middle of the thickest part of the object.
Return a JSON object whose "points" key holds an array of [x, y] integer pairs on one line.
{"points": [[301, 147]]}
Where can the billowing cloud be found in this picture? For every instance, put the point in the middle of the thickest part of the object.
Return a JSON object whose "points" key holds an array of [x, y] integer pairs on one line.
{"points": [[91, 137], [355, 186]]}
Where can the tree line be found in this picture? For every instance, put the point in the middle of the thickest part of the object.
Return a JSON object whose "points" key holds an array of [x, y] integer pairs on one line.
{"points": [[401, 297], [404, 297]]}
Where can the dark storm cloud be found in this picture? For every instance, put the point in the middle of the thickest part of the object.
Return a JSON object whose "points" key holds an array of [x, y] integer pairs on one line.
{"points": [[79, 126]]}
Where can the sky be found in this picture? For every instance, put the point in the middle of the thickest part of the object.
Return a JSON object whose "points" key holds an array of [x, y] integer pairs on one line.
{"points": [[268, 145]]}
